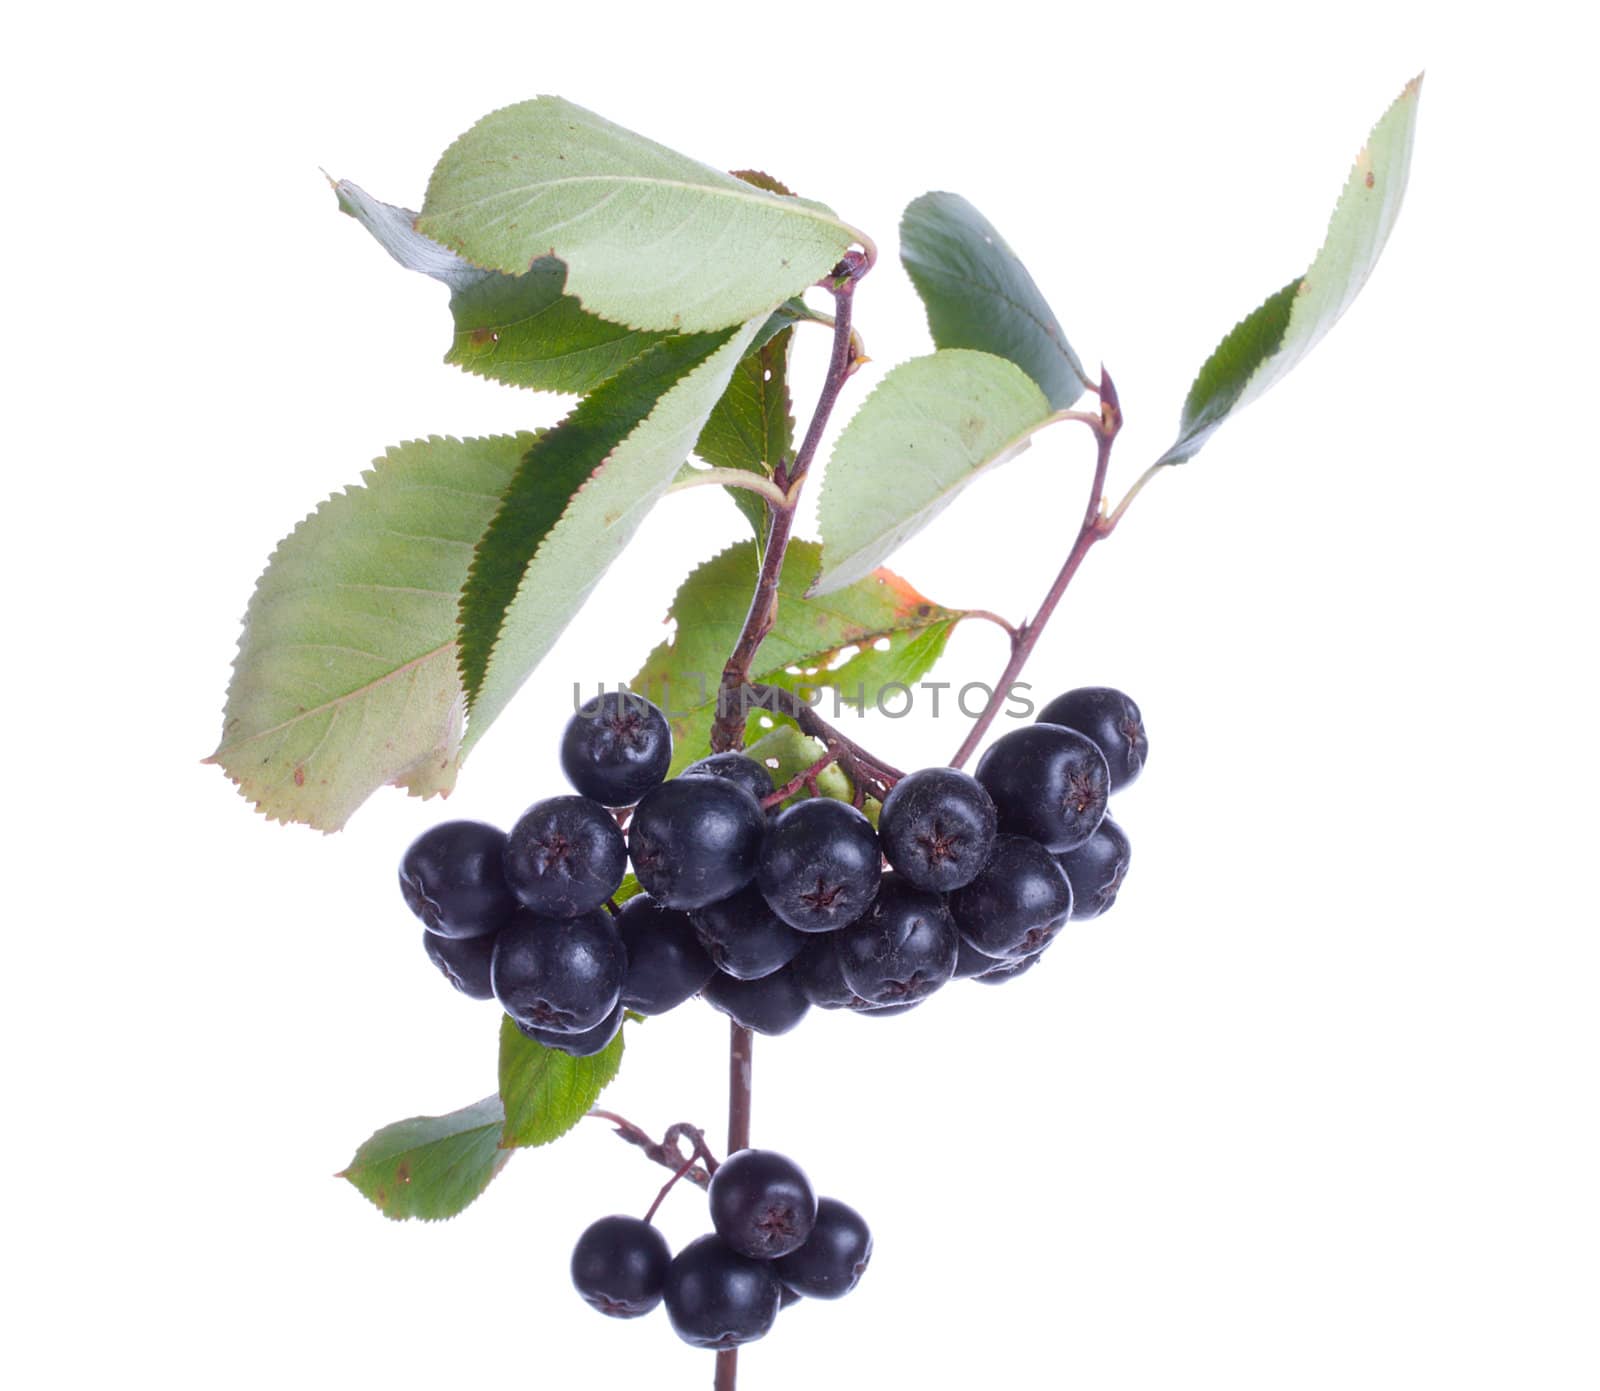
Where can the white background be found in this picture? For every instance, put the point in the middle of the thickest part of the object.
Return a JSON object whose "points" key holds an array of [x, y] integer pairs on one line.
{"points": [[1314, 1107]]}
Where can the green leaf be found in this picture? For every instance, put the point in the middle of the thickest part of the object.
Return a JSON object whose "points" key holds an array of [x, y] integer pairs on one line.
{"points": [[751, 428], [807, 639], [1262, 348], [576, 500], [346, 676], [926, 431], [651, 238], [979, 295], [545, 1092], [520, 329], [786, 753], [431, 1167]]}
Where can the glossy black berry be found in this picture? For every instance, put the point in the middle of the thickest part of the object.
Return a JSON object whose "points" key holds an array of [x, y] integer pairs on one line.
{"points": [[972, 962], [563, 974], [620, 1266], [904, 947], [816, 971], [717, 1298], [771, 1005], [936, 828], [820, 865], [1010, 970], [834, 1256], [1111, 720], [451, 878], [1048, 782], [762, 1204], [464, 961], [735, 767], [745, 937], [1096, 869], [617, 746], [696, 840], [1017, 903], [580, 1045], [666, 963], [565, 856]]}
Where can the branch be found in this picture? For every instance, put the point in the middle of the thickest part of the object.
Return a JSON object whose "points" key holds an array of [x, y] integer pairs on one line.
{"points": [[865, 769], [667, 1151], [1096, 526], [727, 731]]}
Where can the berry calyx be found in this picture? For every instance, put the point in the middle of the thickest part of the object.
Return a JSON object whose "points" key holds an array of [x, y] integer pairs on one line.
{"points": [[1048, 782], [464, 962], [717, 1298], [579, 1045], [696, 840], [820, 865], [833, 1258], [1110, 719], [620, 1265], [735, 767], [616, 747], [771, 1005], [904, 947], [745, 937], [936, 827], [451, 877], [559, 974], [565, 856], [666, 963], [1096, 869], [762, 1204], [1017, 903]]}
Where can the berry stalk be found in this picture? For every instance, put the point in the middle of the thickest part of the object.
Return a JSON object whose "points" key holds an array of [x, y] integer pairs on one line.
{"points": [[1096, 527]]}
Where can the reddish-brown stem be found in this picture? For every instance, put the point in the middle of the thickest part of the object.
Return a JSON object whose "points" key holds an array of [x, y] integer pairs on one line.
{"points": [[667, 1151], [806, 778], [667, 1187], [1095, 528], [727, 732], [866, 770]]}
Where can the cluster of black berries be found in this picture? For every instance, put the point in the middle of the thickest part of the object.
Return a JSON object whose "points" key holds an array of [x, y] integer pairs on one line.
{"points": [[775, 1241], [768, 913]]}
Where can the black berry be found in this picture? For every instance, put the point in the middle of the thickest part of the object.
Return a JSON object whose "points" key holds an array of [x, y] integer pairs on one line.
{"points": [[565, 856], [579, 1045], [834, 1256], [464, 961], [620, 1266], [1009, 970], [771, 1005], [936, 828], [696, 840], [816, 971], [563, 974], [1048, 782], [1111, 720], [451, 878], [735, 767], [745, 937], [1096, 869], [1017, 903], [666, 963], [762, 1204], [972, 962], [903, 949], [616, 748], [717, 1298], [820, 865]]}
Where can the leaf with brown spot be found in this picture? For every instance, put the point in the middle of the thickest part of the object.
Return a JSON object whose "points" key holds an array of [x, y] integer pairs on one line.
{"points": [[431, 1167]]}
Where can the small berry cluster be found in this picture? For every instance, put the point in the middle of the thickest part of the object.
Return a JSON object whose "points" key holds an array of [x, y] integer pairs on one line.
{"points": [[767, 911], [774, 1242]]}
